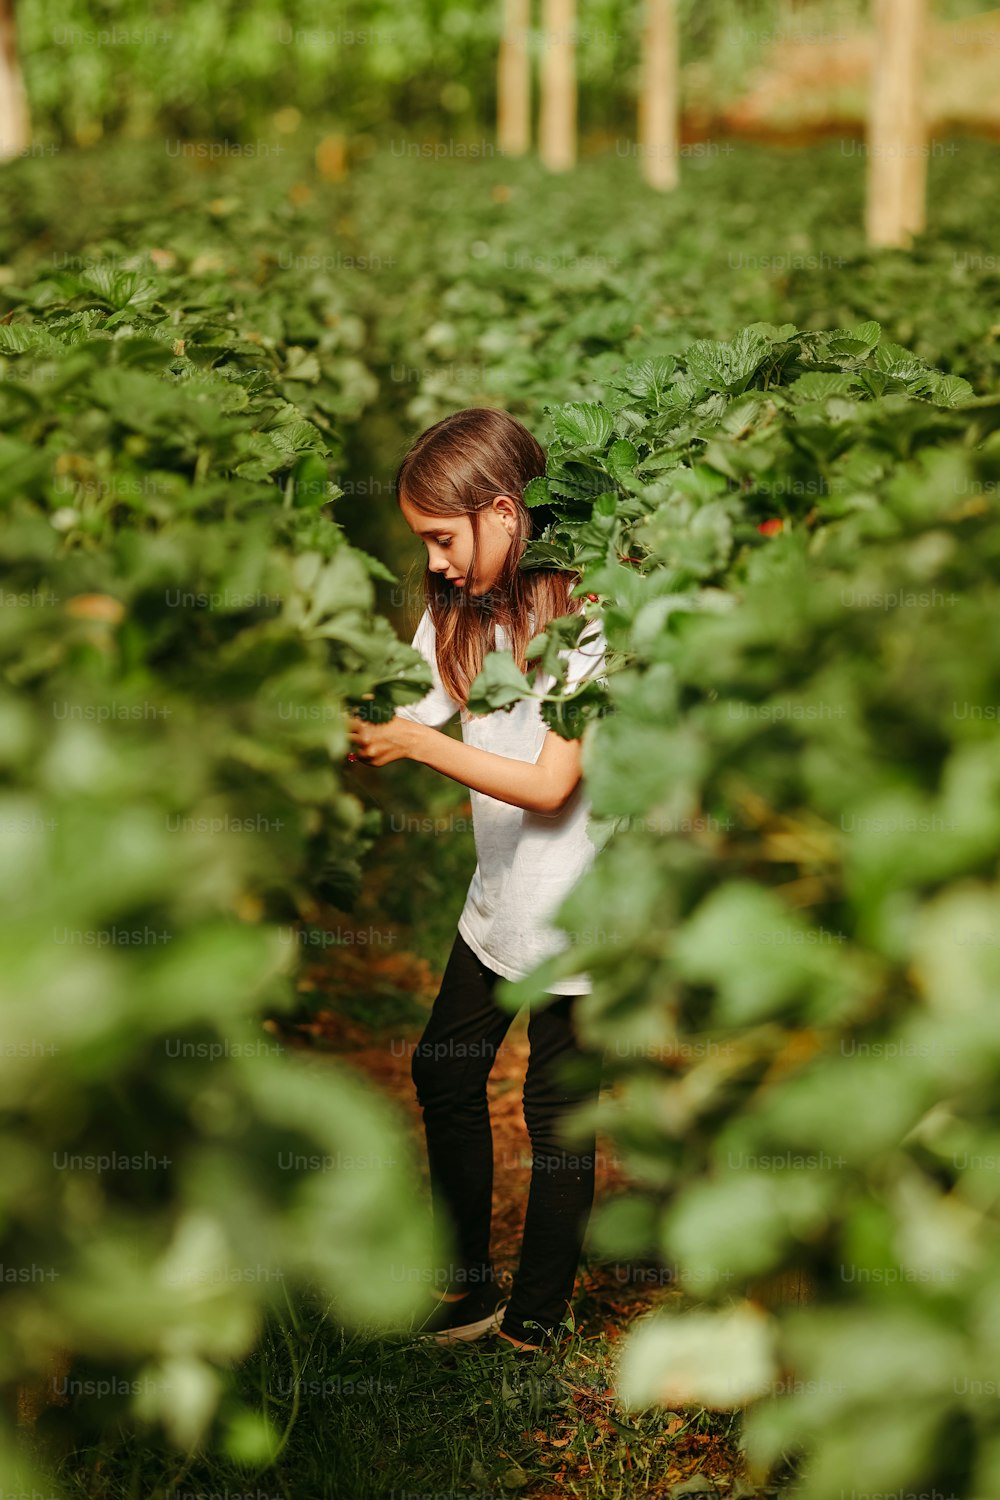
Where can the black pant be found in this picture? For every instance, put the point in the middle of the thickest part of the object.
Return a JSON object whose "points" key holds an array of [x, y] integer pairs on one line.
{"points": [[450, 1066]]}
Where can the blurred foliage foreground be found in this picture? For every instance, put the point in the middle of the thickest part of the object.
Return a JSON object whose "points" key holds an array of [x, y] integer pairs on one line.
{"points": [[792, 922], [182, 632]]}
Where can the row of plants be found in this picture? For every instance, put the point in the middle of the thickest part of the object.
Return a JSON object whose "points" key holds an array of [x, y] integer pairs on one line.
{"points": [[184, 628], [531, 290], [261, 254], [792, 921]]}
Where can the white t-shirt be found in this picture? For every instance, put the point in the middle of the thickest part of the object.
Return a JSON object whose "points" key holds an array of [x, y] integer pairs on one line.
{"points": [[526, 862]]}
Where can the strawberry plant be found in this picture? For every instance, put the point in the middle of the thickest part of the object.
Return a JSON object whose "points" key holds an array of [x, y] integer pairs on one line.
{"points": [[797, 793], [184, 628]]}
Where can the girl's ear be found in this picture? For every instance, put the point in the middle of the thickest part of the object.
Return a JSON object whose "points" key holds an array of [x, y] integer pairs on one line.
{"points": [[508, 514]]}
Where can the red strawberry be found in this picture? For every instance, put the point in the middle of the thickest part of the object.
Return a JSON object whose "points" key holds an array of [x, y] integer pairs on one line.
{"points": [[772, 526]]}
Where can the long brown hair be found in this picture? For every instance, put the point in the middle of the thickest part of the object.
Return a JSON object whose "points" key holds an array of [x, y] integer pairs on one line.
{"points": [[457, 467]]}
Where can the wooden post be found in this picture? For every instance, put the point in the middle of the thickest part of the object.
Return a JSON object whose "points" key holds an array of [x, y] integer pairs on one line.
{"points": [[514, 80], [557, 120], [658, 97], [15, 126], [897, 146]]}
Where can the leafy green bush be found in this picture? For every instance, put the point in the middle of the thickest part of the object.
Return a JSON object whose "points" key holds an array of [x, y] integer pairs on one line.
{"points": [[793, 918], [534, 290], [183, 630]]}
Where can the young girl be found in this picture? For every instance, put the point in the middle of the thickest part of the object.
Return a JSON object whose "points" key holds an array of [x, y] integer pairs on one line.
{"points": [[460, 489]]}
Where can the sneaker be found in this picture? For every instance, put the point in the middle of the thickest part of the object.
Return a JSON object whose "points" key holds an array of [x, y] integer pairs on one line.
{"points": [[472, 1316]]}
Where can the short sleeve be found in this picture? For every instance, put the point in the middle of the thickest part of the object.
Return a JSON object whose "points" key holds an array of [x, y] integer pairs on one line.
{"points": [[436, 708]]}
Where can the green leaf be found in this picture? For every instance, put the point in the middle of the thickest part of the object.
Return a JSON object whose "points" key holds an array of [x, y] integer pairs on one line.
{"points": [[761, 958], [584, 425], [634, 767], [182, 1392], [727, 367], [118, 288], [718, 1360], [817, 385], [301, 364], [868, 333], [647, 378], [536, 492], [948, 390], [499, 685], [250, 1438], [310, 481], [19, 338], [622, 458], [624, 1226]]}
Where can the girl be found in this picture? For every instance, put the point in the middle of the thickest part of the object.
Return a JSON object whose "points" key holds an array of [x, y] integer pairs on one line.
{"points": [[460, 489]]}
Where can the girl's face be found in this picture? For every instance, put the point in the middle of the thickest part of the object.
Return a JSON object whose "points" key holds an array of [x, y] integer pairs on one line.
{"points": [[448, 540]]}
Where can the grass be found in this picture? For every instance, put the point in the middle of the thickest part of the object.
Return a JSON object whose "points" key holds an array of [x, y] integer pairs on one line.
{"points": [[378, 1417]]}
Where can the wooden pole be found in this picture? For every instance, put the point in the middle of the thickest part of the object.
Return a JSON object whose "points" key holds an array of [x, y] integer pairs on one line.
{"points": [[897, 136], [514, 80], [658, 96], [557, 118], [15, 126]]}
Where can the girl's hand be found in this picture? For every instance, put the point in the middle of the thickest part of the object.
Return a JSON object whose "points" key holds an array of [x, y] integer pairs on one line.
{"points": [[378, 744]]}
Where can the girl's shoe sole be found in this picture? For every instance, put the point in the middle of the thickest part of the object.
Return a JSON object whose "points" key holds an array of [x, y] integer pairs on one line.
{"points": [[467, 1331]]}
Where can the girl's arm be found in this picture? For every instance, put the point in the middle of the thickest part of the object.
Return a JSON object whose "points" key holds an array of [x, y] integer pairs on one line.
{"points": [[541, 786]]}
